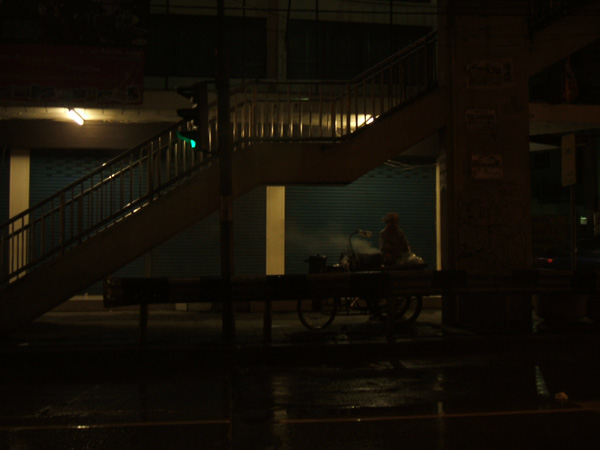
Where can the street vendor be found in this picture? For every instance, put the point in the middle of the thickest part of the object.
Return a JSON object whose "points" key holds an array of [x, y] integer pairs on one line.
{"points": [[393, 245]]}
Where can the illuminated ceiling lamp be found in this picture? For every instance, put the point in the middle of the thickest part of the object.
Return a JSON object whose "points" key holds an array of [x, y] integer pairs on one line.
{"points": [[76, 115]]}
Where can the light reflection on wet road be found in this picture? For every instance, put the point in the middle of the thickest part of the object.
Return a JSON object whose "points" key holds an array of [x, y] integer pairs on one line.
{"points": [[494, 394]]}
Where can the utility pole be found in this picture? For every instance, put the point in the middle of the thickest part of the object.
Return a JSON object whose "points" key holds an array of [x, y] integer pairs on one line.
{"points": [[225, 151]]}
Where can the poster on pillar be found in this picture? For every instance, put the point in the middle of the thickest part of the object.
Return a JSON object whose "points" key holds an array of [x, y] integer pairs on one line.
{"points": [[487, 167], [480, 120], [490, 74]]}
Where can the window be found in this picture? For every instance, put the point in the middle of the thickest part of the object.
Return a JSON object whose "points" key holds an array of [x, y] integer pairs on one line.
{"points": [[184, 45], [342, 50]]}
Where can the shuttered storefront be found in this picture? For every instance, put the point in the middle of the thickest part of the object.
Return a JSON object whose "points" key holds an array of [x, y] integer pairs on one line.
{"points": [[194, 252], [319, 219], [52, 171]]}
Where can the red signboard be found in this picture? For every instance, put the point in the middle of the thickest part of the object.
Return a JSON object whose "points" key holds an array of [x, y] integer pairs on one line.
{"points": [[70, 75]]}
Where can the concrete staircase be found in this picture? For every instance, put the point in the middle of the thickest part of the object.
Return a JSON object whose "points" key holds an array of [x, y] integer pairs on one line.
{"points": [[262, 164], [404, 117]]}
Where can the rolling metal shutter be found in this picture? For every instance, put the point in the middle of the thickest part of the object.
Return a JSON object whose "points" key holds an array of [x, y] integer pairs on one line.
{"points": [[319, 219], [196, 251], [52, 171]]}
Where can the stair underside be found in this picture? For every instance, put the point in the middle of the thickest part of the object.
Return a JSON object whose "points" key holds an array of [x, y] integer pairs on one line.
{"points": [[262, 164]]}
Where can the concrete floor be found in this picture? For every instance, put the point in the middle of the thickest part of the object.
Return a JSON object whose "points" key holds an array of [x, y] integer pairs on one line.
{"points": [[83, 380]]}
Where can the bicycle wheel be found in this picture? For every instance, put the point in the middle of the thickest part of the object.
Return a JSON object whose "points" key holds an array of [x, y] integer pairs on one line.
{"points": [[316, 314], [406, 309]]}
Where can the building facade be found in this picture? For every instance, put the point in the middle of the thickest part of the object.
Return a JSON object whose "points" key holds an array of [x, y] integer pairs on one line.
{"points": [[464, 193]]}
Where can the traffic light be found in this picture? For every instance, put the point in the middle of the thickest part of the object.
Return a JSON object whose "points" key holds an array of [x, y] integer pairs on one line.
{"points": [[193, 137], [193, 94], [197, 136]]}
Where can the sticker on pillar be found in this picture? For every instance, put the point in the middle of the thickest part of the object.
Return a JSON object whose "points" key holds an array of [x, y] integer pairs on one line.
{"points": [[487, 167], [480, 120], [488, 74]]}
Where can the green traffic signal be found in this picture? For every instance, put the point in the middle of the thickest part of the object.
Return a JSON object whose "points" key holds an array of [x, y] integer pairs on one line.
{"points": [[197, 116], [188, 136], [194, 138]]}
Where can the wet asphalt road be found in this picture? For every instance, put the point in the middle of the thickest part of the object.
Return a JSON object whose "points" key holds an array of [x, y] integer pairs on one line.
{"points": [[82, 382]]}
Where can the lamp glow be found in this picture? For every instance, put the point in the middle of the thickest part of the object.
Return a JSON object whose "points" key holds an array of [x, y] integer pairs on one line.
{"points": [[76, 116], [364, 119]]}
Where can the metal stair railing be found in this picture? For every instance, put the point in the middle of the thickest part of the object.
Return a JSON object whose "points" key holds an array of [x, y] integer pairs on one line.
{"points": [[91, 204], [333, 110], [260, 111]]}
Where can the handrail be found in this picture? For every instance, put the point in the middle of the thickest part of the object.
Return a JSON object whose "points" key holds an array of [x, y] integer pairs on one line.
{"points": [[287, 111], [119, 187], [111, 162], [260, 111], [391, 60]]}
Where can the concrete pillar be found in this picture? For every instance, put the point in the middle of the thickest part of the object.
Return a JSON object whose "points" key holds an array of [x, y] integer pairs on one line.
{"points": [[19, 181], [275, 253], [18, 201], [487, 214], [275, 243]]}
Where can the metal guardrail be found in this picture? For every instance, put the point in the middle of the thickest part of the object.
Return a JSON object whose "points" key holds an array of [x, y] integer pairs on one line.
{"points": [[84, 208], [376, 284], [333, 110], [260, 111]]}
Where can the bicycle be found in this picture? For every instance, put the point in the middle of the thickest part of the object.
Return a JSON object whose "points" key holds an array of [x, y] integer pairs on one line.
{"points": [[319, 313]]}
